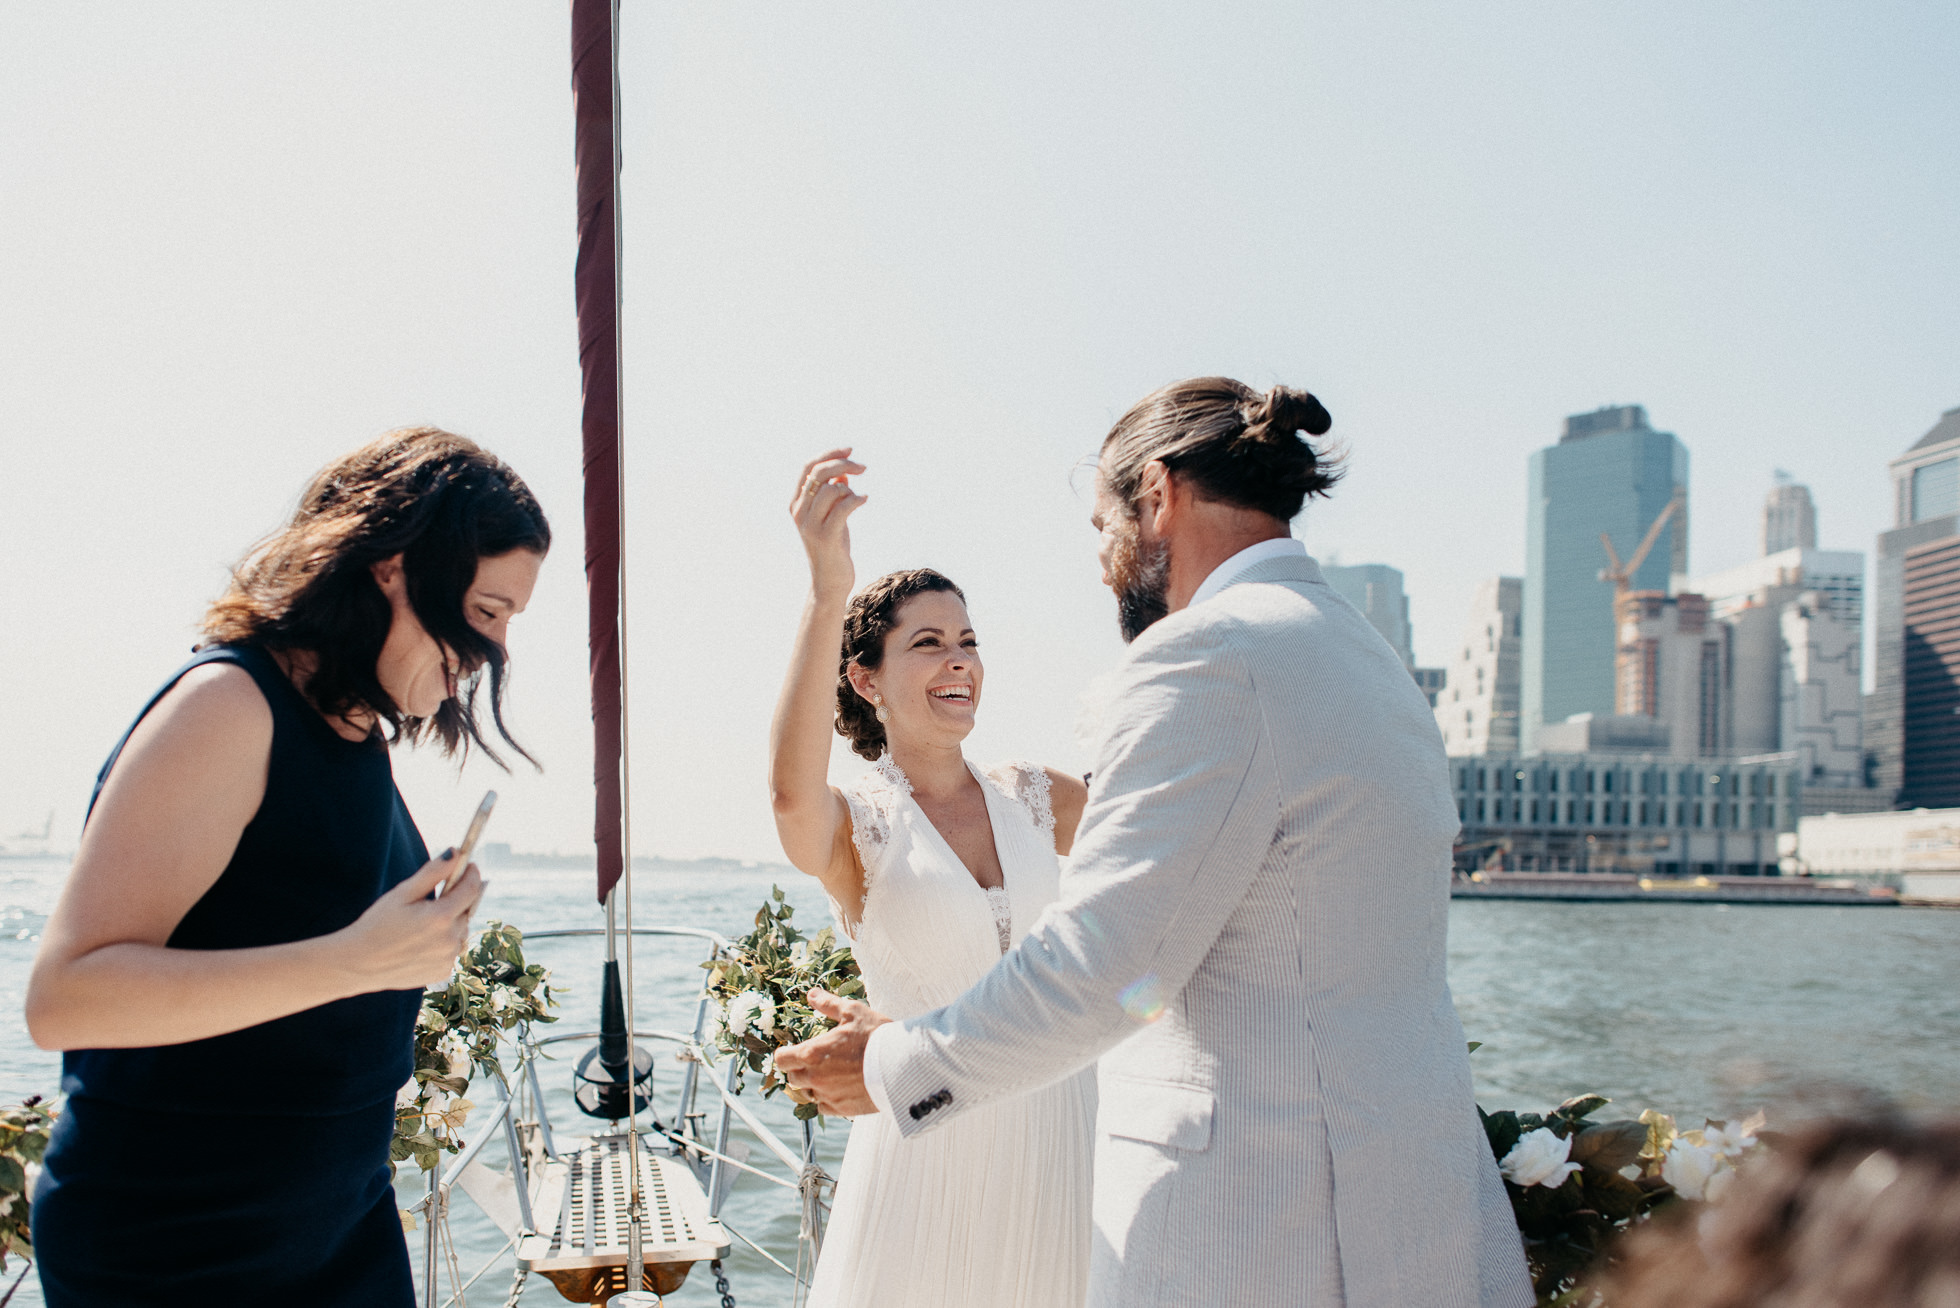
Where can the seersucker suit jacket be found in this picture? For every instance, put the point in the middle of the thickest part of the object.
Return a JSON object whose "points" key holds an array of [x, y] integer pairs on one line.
{"points": [[1251, 938]]}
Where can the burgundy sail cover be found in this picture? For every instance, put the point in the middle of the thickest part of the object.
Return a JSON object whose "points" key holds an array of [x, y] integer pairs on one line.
{"points": [[597, 282]]}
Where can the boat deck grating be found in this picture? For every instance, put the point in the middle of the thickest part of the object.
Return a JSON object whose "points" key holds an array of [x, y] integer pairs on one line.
{"points": [[589, 1214]]}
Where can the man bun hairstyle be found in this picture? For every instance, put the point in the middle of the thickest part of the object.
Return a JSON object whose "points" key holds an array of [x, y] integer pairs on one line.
{"points": [[870, 617], [1232, 444]]}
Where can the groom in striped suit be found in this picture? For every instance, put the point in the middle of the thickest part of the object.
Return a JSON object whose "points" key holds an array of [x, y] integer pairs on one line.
{"points": [[1251, 932]]}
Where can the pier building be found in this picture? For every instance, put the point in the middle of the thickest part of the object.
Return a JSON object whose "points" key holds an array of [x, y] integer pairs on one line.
{"points": [[1618, 810], [1918, 850]]}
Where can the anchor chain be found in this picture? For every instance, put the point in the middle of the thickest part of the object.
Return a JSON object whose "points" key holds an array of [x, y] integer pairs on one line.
{"points": [[721, 1285]]}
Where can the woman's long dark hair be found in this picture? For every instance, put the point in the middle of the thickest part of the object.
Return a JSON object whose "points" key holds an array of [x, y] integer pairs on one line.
{"points": [[442, 503]]}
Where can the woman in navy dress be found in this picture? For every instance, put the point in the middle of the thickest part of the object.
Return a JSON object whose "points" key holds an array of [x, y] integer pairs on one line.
{"points": [[235, 964]]}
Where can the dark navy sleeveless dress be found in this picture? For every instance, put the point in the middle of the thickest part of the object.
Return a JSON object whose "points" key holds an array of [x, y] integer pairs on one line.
{"points": [[251, 1168]]}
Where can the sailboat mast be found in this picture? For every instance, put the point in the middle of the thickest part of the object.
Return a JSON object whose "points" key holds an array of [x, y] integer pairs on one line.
{"points": [[595, 94]]}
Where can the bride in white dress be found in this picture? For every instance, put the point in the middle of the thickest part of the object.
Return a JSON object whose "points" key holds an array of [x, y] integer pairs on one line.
{"points": [[934, 868]]}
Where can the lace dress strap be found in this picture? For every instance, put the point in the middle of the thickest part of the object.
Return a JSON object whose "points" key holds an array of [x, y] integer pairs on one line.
{"points": [[1027, 784], [874, 799]]}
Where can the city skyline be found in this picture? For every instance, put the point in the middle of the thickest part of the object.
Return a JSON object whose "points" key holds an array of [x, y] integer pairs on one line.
{"points": [[1736, 709], [1395, 618]]}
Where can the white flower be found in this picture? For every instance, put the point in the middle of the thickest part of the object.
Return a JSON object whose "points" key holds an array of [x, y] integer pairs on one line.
{"points": [[1731, 1140], [433, 1105], [499, 999], [406, 1096], [1688, 1168], [33, 1171], [751, 1009], [455, 1052], [6, 1204], [1540, 1158]]}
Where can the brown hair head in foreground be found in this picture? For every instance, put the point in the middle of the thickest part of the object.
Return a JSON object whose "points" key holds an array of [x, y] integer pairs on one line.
{"points": [[1844, 1214]]}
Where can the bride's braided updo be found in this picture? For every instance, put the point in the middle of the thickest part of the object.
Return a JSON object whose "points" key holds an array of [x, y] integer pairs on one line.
{"points": [[870, 617], [1233, 443]]}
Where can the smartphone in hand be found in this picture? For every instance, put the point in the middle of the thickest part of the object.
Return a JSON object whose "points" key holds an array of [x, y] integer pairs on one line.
{"points": [[467, 846]]}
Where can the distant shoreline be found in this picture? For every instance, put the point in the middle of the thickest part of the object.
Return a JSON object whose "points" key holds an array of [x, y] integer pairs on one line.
{"points": [[494, 856], [1626, 888]]}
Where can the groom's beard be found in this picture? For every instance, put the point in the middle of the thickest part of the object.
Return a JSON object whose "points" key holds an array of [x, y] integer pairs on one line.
{"points": [[1141, 577]]}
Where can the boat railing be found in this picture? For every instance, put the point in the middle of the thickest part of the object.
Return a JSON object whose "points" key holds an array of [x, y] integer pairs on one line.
{"points": [[710, 1154], [717, 947]]}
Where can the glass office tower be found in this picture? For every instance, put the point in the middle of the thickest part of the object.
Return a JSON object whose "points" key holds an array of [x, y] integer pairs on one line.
{"points": [[1610, 472], [1912, 716]]}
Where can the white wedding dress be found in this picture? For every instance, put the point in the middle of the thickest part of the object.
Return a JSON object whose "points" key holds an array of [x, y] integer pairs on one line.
{"points": [[992, 1209]]}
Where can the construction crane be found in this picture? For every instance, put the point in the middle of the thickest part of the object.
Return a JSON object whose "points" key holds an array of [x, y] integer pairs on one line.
{"points": [[1636, 688], [1621, 574]]}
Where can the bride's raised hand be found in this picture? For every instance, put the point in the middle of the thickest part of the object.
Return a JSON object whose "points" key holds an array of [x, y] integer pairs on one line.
{"points": [[811, 818], [821, 509]]}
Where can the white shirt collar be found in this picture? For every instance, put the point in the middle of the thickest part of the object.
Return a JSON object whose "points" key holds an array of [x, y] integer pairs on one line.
{"points": [[1228, 572]]}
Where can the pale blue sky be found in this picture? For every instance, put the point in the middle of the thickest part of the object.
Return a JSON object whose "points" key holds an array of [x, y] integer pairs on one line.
{"points": [[236, 240]]}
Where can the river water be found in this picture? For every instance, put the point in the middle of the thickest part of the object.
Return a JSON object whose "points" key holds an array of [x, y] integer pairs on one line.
{"points": [[1695, 1009]]}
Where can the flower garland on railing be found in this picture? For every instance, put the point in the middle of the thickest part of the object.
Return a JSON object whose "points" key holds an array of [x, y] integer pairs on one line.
{"points": [[764, 983], [24, 1129], [1577, 1186], [457, 1032]]}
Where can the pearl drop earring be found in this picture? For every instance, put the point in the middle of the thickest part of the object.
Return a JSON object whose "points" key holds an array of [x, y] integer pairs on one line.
{"points": [[878, 703]]}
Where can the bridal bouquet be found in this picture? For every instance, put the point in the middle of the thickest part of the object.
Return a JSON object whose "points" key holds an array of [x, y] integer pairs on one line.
{"points": [[24, 1131], [492, 990], [1576, 1185], [763, 985]]}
